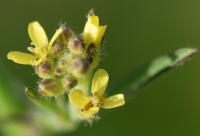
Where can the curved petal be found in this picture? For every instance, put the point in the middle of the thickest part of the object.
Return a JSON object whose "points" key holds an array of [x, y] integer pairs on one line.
{"points": [[93, 20], [91, 29], [37, 34], [89, 113], [100, 82], [55, 36], [78, 99], [21, 58], [100, 35], [113, 101]]}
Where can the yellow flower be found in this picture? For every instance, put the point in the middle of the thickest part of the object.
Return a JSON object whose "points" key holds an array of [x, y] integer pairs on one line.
{"points": [[93, 33], [88, 106], [40, 49]]}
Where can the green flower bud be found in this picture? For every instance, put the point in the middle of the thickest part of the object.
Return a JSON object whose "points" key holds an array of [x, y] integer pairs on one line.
{"points": [[69, 82], [65, 35], [66, 31], [80, 65], [50, 87], [44, 69], [92, 50], [57, 48], [75, 45]]}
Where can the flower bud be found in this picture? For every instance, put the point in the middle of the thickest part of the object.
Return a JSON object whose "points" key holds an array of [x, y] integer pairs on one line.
{"points": [[50, 87], [66, 31], [44, 69], [80, 65], [69, 82], [75, 45], [92, 50], [65, 34], [57, 48]]}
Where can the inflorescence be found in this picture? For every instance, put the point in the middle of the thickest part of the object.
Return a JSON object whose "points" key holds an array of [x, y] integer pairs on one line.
{"points": [[65, 64]]}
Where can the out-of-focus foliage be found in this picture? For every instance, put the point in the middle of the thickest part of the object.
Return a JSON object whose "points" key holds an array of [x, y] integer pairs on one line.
{"points": [[10, 102]]}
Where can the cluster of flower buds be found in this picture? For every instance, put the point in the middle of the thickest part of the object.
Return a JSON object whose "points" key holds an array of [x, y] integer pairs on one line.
{"points": [[63, 60], [65, 63]]}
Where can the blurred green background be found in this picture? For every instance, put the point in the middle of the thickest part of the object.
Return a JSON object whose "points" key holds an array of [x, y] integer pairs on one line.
{"points": [[138, 30]]}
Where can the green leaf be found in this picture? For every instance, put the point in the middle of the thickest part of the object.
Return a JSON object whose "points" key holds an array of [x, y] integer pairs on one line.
{"points": [[146, 73]]}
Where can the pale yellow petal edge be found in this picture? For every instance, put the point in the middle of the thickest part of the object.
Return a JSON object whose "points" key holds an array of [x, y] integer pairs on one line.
{"points": [[21, 57], [113, 101], [99, 82], [37, 34]]}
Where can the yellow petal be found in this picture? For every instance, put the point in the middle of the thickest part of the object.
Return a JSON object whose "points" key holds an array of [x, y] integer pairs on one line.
{"points": [[113, 101], [93, 20], [99, 82], [37, 34], [21, 58], [90, 33], [78, 99], [100, 35], [93, 33], [89, 113], [55, 36]]}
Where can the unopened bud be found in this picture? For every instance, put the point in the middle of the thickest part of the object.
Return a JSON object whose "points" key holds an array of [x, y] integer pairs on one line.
{"points": [[91, 50], [69, 82], [80, 65], [57, 48], [66, 31], [50, 87], [65, 34], [75, 45], [43, 69]]}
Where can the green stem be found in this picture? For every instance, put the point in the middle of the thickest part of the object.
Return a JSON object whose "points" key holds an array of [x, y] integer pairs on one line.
{"points": [[150, 71]]}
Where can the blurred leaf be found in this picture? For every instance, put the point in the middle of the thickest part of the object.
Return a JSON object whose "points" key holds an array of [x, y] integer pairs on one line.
{"points": [[19, 128], [10, 103], [145, 74], [50, 114]]}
